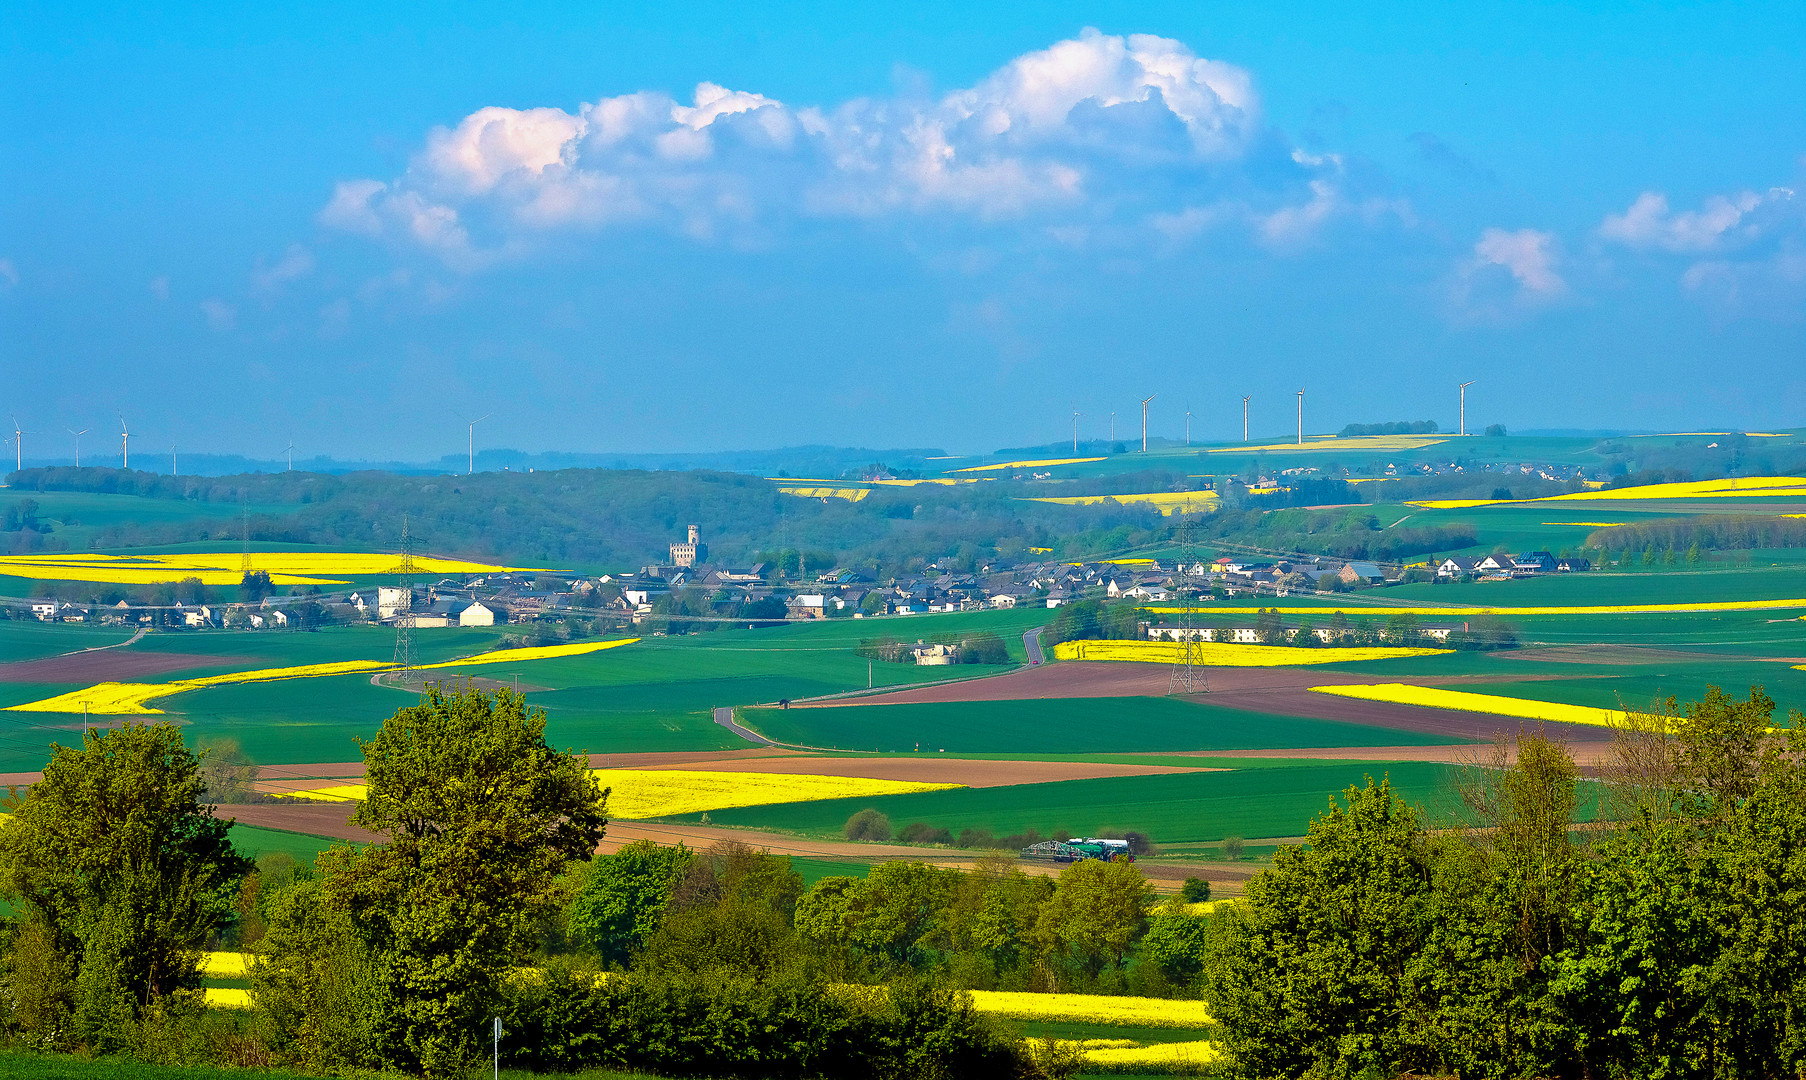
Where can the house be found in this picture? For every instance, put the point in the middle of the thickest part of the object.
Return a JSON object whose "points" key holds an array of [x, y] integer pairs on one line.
{"points": [[478, 613], [44, 610], [257, 621], [1573, 565], [280, 618], [1533, 562], [1494, 564], [1456, 566], [392, 600], [1001, 600]]}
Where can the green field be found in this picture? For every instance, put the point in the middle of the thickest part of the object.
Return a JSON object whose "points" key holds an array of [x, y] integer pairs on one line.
{"points": [[252, 842], [657, 694], [1172, 808], [27, 639], [1063, 725]]}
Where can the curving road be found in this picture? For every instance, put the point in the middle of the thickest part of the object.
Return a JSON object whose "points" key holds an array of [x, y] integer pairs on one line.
{"points": [[1031, 643], [725, 717]]}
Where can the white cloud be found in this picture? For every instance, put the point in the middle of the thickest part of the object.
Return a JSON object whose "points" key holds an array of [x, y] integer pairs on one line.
{"points": [[9, 274], [296, 263], [159, 287], [1722, 221], [1527, 254], [1098, 126], [221, 316]]}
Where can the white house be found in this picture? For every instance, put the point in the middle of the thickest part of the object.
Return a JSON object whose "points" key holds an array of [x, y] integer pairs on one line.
{"points": [[934, 655], [477, 614], [1001, 600], [392, 599], [1456, 567], [256, 621]]}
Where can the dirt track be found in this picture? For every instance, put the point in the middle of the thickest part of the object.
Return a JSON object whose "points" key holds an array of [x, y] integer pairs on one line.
{"points": [[109, 665], [1285, 691]]}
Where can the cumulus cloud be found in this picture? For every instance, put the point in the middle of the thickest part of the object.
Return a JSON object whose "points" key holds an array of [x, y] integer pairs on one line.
{"points": [[1508, 273], [1136, 128], [1529, 256], [1745, 252]]}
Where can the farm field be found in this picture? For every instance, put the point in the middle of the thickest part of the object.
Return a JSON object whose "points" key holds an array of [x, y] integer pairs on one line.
{"points": [[1070, 725], [22, 639], [1174, 808]]}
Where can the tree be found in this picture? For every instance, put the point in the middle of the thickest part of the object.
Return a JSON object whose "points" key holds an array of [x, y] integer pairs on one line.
{"points": [[867, 824], [1320, 972], [124, 872], [481, 816], [254, 586], [1194, 890], [1176, 942], [1722, 743], [1098, 910], [623, 901]]}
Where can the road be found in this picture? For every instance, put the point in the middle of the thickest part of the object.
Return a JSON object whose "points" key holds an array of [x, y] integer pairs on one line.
{"points": [[1031, 643], [725, 717]]}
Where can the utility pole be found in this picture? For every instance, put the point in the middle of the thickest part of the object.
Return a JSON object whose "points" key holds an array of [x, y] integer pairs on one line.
{"points": [[1301, 416], [1464, 387], [1144, 421], [1244, 419]]}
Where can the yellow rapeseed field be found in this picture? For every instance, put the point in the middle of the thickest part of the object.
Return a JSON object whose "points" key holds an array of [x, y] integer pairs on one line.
{"points": [[1461, 700], [1455, 611], [226, 997], [226, 567], [1039, 463], [648, 793], [129, 699], [1331, 442], [1167, 502], [1093, 1009], [540, 652], [1155, 1057], [225, 965], [851, 494], [1741, 487], [1226, 654]]}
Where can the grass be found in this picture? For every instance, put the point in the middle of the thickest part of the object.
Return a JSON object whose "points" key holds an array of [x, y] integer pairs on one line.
{"points": [[657, 695], [252, 842], [1172, 808], [17, 1066], [28, 639], [1069, 725]]}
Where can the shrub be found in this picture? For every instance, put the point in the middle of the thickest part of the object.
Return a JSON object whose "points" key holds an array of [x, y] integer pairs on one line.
{"points": [[921, 832], [1194, 891], [868, 824], [1232, 848]]}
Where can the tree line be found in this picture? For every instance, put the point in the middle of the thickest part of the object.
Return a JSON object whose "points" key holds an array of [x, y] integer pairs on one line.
{"points": [[1668, 942], [1708, 532]]}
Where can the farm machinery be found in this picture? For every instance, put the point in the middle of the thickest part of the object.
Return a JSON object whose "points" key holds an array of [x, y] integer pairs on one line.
{"points": [[1078, 848]]}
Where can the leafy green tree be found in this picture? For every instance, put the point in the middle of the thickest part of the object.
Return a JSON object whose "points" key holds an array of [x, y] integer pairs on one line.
{"points": [[895, 912], [867, 824], [623, 902], [124, 873], [1176, 944], [1194, 890], [1320, 972], [481, 817], [1096, 914], [317, 980], [1722, 745]]}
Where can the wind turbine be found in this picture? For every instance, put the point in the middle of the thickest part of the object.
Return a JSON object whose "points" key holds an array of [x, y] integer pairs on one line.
{"points": [[1188, 427], [1244, 419], [470, 443], [1144, 421], [172, 460], [78, 444], [19, 445], [1112, 426], [1464, 387], [125, 445], [290, 451], [1301, 416], [1075, 433]]}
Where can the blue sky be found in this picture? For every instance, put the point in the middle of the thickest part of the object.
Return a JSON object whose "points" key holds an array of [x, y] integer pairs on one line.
{"points": [[626, 227]]}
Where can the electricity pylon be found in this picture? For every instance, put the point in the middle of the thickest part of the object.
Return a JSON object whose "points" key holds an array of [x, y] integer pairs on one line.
{"points": [[404, 572], [1188, 676]]}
